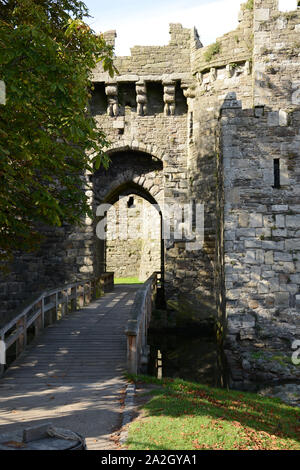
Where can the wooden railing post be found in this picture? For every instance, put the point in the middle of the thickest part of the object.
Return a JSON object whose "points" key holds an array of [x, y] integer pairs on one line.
{"points": [[22, 338], [43, 312], [132, 354], [38, 324], [66, 309], [55, 313], [73, 301], [2, 355]]}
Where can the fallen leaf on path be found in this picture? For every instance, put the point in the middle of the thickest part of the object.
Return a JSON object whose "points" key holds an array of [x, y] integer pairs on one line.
{"points": [[14, 444]]}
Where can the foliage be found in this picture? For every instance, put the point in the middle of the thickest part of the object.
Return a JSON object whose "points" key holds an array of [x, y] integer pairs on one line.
{"points": [[186, 416], [249, 5], [48, 141], [212, 50]]}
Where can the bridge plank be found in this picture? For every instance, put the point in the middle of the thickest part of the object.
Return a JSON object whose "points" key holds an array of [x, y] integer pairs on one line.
{"points": [[73, 373]]}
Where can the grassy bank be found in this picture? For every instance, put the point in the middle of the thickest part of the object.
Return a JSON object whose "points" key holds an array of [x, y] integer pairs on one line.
{"points": [[127, 280], [186, 416]]}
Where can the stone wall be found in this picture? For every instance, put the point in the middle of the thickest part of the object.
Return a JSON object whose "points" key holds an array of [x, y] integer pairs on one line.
{"points": [[261, 217], [262, 245], [65, 255]]}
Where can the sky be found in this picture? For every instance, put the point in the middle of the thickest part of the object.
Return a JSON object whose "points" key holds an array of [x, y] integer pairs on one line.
{"points": [[146, 22]]}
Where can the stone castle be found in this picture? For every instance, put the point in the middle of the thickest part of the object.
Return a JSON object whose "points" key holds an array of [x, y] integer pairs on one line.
{"points": [[216, 125]]}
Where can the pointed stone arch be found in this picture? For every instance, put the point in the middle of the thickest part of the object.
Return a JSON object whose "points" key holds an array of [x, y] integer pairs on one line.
{"points": [[134, 169], [125, 189]]}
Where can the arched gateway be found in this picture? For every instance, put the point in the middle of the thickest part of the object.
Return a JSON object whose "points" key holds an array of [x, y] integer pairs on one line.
{"points": [[132, 187]]}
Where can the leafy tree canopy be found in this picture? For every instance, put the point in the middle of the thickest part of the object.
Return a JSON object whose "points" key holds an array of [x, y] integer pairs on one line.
{"points": [[47, 138]]}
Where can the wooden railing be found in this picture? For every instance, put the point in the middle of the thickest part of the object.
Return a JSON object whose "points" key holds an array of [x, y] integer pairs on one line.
{"points": [[138, 324], [49, 307]]}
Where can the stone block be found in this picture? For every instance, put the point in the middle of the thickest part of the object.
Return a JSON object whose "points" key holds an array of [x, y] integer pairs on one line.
{"points": [[243, 220], [245, 232], [273, 119], [250, 257], [236, 323], [282, 299], [260, 258], [256, 220], [261, 14], [292, 244], [280, 221], [280, 208], [233, 294], [283, 118], [282, 256], [293, 221], [269, 257], [263, 287]]}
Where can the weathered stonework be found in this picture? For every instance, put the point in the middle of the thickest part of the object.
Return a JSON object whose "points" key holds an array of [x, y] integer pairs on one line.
{"points": [[133, 246], [218, 125]]}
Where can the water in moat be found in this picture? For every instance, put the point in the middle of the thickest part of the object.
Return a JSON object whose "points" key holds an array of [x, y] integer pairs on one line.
{"points": [[186, 354]]}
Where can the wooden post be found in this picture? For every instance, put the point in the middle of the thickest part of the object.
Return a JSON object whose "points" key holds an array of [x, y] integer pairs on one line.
{"points": [[2, 355], [80, 296], [56, 307], [43, 312], [66, 302], [84, 296], [132, 354], [22, 339], [91, 291], [38, 324], [88, 292], [74, 300]]}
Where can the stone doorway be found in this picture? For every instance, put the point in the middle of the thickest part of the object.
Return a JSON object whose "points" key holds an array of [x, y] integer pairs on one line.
{"points": [[132, 192]]}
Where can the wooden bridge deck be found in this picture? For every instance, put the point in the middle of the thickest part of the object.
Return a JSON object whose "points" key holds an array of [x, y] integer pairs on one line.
{"points": [[72, 374]]}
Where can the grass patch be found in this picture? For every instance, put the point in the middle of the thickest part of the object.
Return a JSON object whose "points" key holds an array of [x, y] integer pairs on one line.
{"points": [[186, 416], [128, 280], [211, 51], [249, 5]]}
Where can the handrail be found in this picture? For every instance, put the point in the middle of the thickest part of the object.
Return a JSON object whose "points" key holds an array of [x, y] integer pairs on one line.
{"points": [[138, 323], [50, 306]]}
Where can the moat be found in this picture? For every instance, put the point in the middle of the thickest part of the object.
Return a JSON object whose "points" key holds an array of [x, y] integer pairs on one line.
{"points": [[186, 354]]}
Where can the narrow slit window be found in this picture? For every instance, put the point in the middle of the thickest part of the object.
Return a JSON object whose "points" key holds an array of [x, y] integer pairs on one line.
{"points": [[130, 202], [194, 215], [276, 173], [191, 125]]}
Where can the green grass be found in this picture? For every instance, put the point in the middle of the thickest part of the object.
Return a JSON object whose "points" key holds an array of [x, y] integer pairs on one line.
{"points": [[187, 416], [127, 280], [249, 5], [211, 51]]}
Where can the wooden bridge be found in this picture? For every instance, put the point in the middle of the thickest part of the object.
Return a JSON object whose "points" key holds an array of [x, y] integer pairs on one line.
{"points": [[72, 372]]}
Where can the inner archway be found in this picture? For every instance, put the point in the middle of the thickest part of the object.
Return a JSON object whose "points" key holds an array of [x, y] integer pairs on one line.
{"points": [[131, 194]]}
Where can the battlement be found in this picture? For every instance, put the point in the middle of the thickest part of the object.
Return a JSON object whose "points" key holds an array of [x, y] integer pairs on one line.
{"points": [[174, 58]]}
